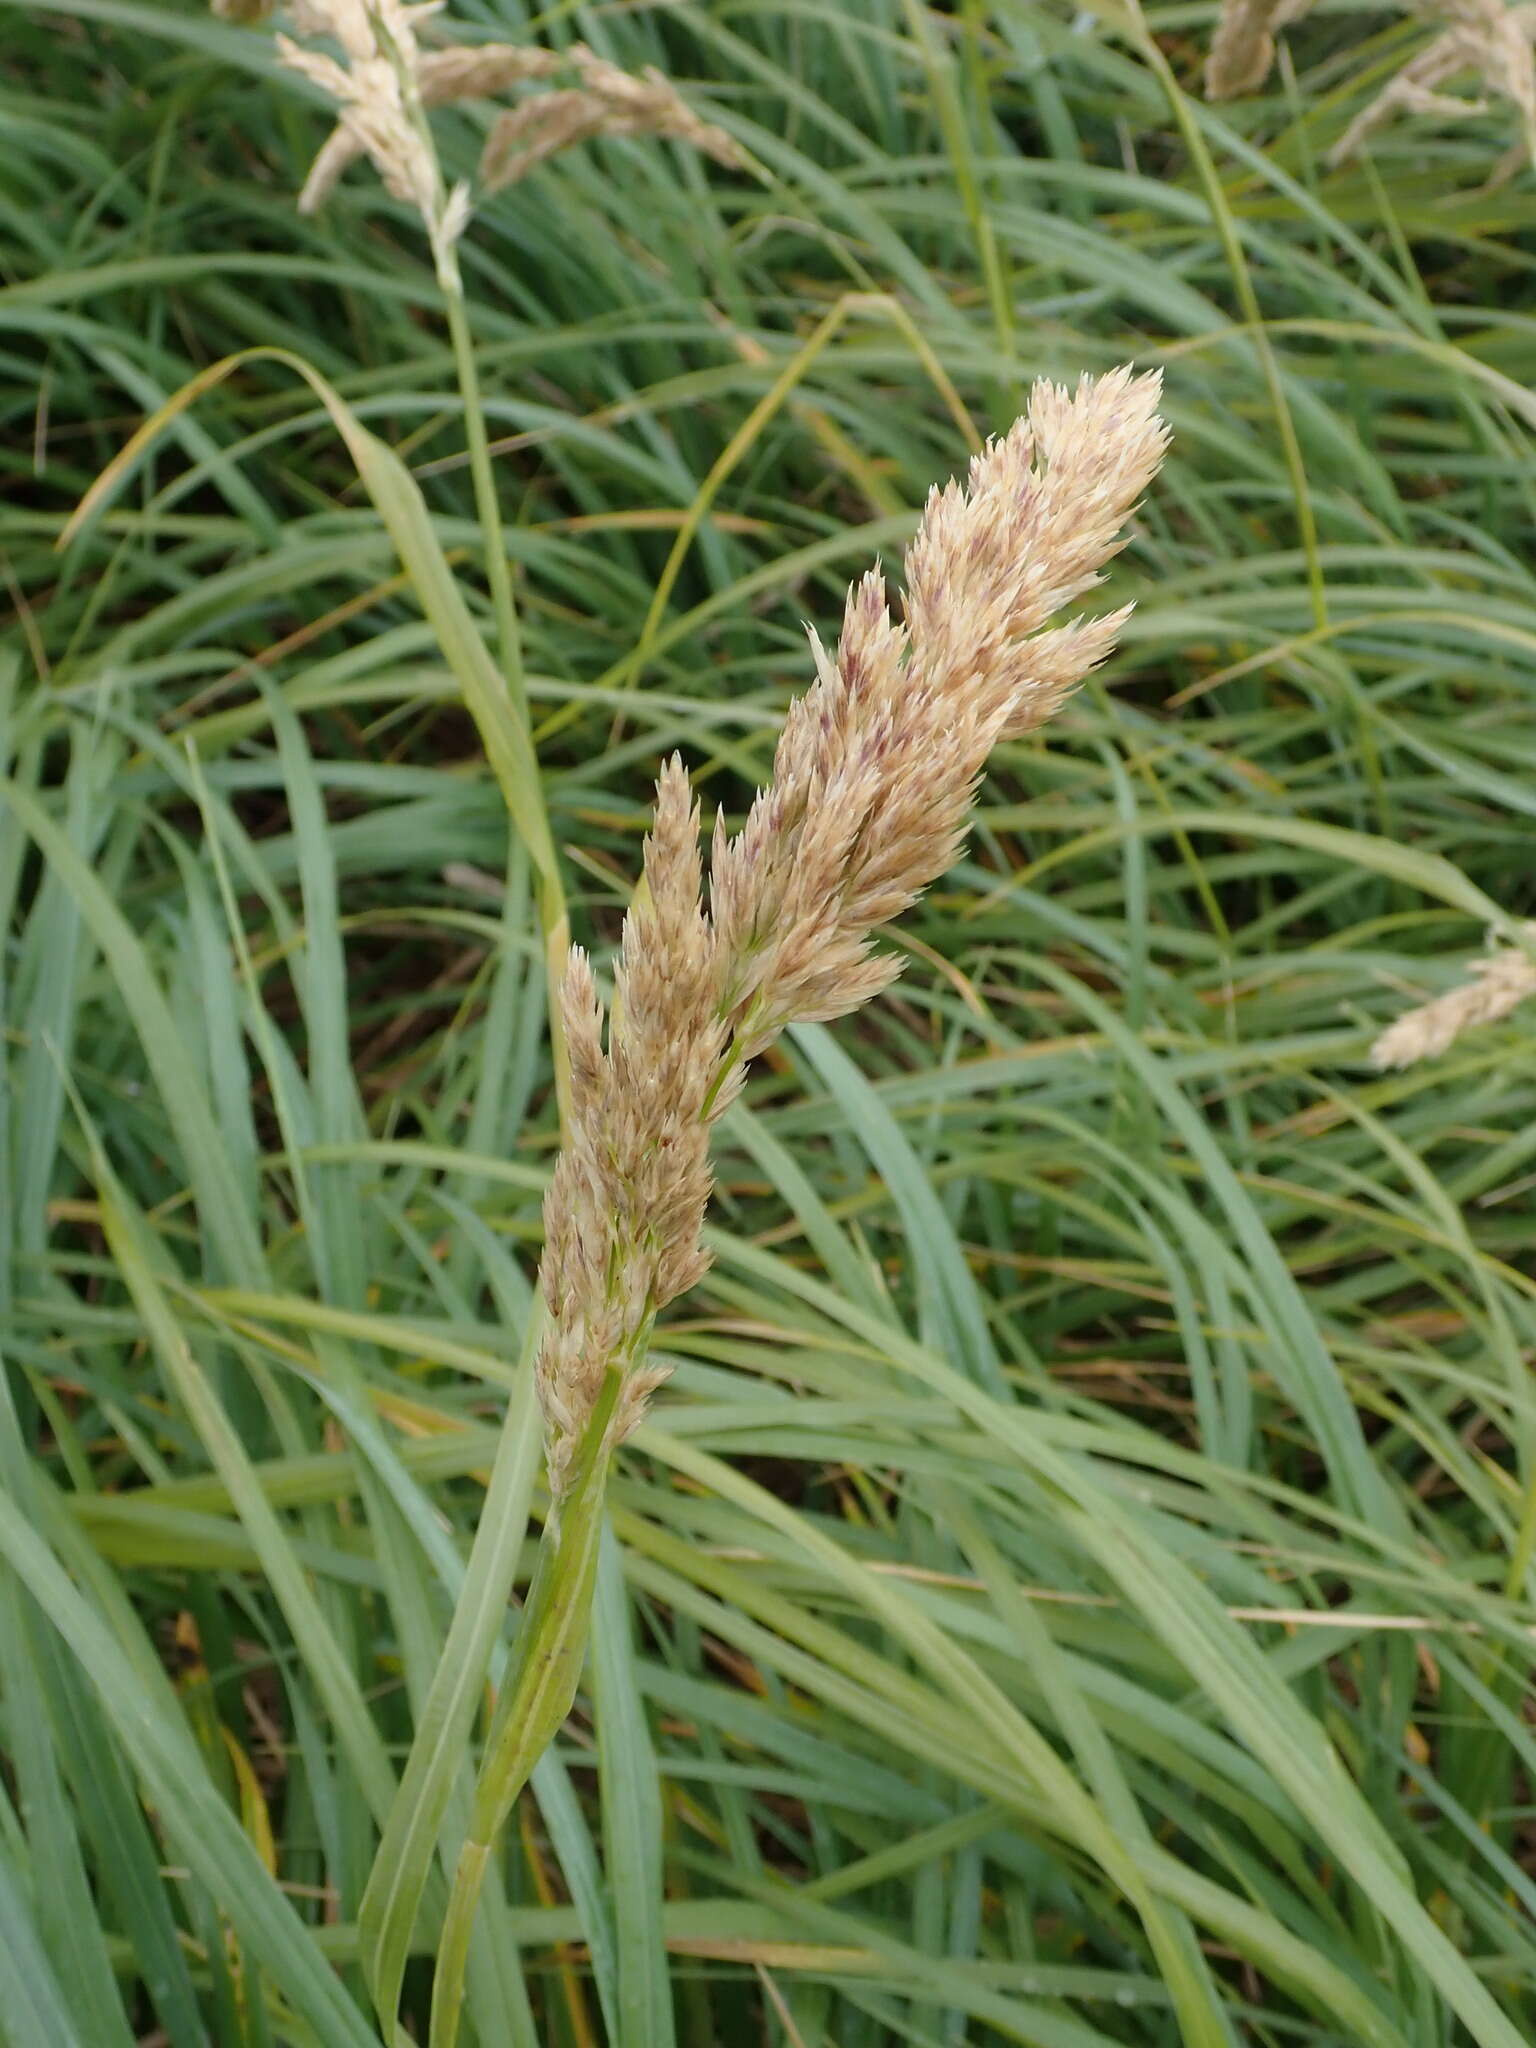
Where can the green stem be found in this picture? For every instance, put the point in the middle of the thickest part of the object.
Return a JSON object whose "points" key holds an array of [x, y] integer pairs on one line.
{"points": [[498, 572], [554, 920], [536, 1697]]}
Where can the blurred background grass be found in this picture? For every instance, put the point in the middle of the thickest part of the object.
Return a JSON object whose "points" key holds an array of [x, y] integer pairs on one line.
{"points": [[1078, 1586]]}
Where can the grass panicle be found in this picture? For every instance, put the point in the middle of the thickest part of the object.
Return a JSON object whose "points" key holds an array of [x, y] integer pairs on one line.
{"points": [[874, 779], [389, 80]]}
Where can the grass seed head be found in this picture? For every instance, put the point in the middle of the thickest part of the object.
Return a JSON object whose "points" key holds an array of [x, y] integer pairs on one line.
{"points": [[608, 101], [873, 780], [1500, 983], [388, 81]]}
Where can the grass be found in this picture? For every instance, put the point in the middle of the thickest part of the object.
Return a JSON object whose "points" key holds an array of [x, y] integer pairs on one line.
{"points": [[1078, 1587]]}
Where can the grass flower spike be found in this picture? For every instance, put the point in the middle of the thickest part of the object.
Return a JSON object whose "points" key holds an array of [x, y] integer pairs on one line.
{"points": [[1501, 981], [873, 782], [605, 101], [389, 81]]}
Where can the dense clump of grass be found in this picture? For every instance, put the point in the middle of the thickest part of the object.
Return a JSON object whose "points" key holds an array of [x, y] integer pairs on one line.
{"points": [[1077, 1586]]}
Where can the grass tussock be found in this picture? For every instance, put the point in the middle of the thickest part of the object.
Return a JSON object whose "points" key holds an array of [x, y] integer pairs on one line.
{"points": [[1075, 1585]]}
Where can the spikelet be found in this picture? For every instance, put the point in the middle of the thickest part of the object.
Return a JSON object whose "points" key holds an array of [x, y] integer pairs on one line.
{"points": [[1243, 46], [873, 781], [1501, 982]]}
